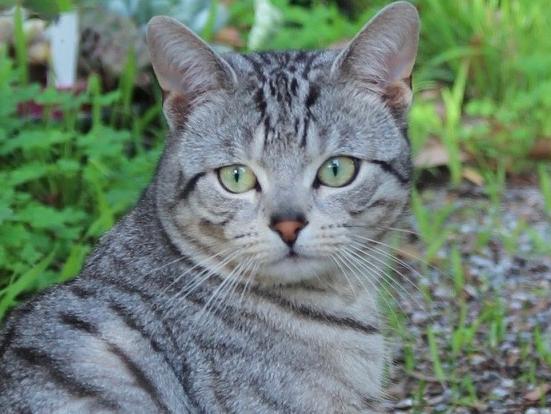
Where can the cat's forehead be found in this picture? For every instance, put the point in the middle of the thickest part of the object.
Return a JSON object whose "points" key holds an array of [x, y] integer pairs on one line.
{"points": [[292, 64], [282, 88]]}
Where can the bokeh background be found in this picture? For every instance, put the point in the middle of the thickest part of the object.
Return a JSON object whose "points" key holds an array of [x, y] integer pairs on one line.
{"points": [[467, 293]]}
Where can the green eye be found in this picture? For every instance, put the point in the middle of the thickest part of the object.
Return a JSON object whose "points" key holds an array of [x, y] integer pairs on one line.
{"points": [[338, 171], [237, 178]]}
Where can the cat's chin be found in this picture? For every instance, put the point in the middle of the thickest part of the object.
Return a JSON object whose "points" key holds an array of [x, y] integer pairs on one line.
{"points": [[294, 268]]}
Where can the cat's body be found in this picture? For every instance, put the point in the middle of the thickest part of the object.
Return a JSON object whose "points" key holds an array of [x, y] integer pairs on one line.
{"points": [[108, 343], [204, 301]]}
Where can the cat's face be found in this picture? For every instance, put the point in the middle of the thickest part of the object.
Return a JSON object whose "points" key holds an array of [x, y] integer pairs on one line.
{"points": [[285, 163]]}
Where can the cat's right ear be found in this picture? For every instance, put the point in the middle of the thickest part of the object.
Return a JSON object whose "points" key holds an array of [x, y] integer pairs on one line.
{"points": [[381, 56], [186, 67]]}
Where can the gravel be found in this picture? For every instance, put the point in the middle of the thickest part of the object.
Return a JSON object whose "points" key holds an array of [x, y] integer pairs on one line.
{"points": [[508, 276]]}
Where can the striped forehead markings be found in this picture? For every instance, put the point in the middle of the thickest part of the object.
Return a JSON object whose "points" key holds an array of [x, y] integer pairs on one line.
{"points": [[276, 80]]}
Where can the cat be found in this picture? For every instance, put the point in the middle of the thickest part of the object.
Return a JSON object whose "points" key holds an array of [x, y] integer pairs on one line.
{"points": [[241, 281]]}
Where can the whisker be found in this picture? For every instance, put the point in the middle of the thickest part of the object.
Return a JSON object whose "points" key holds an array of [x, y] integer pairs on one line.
{"points": [[233, 287], [371, 278], [227, 281], [336, 257], [392, 283], [249, 280], [196, 282], [400, 251], [198, 264], [399, 230], [369, 268]]}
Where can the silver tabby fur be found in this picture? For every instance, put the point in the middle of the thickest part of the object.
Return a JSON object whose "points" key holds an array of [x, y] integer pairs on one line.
{"points": [[192, 303]]}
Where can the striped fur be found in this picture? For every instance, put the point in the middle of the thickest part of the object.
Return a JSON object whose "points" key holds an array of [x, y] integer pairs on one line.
{"points": [[192, 303]]}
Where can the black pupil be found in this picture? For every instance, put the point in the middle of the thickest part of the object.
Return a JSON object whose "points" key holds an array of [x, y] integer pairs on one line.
{"points": [[335, 167], [236, 174]]}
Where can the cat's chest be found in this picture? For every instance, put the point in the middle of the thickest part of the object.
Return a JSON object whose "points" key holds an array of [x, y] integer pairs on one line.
{"points": [[333, 343]]}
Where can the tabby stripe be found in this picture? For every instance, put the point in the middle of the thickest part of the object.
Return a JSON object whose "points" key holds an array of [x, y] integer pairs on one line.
{"points": [[62, 378], [390, 169], [147, 301], [128, 319], [221, 398], [313, 95], [257, 67], [294, 86], [316, 315], [79, 324], [80, 291], [265, 58], [8, 338], [272, 87], [300, 56], [308, 65], [140, 377], [207, 222], [285, 80], [305, 131], [260, 102], [130, 322], [190, 185], [267, 128], [187, 384], [17, 315]]}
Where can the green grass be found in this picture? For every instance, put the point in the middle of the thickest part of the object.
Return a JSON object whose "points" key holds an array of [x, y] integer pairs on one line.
{"points": [[65, 179]]}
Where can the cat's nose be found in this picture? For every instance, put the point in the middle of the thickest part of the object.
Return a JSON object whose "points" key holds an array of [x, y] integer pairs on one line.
{"points": [[288, 229]]}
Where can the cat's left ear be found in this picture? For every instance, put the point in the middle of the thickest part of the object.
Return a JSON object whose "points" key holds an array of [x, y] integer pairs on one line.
{"points": [[381, 56]]}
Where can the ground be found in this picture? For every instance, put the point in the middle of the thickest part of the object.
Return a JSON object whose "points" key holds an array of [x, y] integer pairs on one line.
{"points": [[476, 333]]}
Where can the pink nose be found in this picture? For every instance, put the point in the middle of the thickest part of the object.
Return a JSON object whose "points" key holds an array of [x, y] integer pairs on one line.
{"points": [[288, 230]]}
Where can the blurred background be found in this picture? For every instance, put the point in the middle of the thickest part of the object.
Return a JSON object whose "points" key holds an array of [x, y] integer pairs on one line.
{"points": [[467, 293]]}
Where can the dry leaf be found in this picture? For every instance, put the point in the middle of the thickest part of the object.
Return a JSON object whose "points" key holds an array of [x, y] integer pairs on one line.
{"points": [[538, 392], [434, 154], [473, 176], [541, 149], [229, 36]]}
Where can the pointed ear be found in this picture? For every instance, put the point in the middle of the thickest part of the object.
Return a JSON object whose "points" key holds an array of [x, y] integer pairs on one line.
{"points": [[186, 67], [382, 55]]}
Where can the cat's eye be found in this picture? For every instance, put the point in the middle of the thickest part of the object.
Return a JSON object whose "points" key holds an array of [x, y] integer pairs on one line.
{"points": [[237, 178], [338, 171]]}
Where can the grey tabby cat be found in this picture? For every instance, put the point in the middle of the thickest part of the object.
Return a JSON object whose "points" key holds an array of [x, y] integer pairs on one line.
{"points": [[239, 282]]}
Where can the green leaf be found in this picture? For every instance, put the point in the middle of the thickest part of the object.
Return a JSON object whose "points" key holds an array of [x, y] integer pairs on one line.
{"points": [[44, 217], [35, 139], [24, 282], [74, 262], [6, 212], [26, 173]]}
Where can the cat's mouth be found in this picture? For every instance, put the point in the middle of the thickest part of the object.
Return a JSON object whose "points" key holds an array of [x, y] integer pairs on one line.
{"points": [[295, 256]]}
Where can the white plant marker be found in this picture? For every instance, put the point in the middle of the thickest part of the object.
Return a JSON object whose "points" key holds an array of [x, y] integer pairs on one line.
{"points": [[64, 40], [267, 19]]}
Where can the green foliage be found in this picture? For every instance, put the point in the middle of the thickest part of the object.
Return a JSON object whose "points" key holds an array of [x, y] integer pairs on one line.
{"points": [[506, 46], [66, 177], [435, 356], [545, 187]]}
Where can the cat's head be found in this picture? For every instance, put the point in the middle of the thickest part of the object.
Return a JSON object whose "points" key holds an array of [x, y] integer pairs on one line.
{"points": [[285, 163]]}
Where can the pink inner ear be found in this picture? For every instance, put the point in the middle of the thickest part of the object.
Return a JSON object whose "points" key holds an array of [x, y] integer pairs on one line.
{"points": [[400, 65]]}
